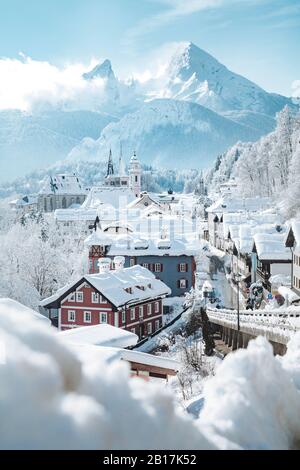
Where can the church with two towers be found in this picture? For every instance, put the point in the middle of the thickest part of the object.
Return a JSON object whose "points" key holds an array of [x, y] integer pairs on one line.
{"points": [[120, 179]]}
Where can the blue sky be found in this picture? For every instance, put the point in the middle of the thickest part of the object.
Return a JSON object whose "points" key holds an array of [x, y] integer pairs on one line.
{"points": [[257, 38]]}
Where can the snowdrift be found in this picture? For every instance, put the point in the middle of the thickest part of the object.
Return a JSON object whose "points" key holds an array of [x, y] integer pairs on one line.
{"points": [[50, 399]]}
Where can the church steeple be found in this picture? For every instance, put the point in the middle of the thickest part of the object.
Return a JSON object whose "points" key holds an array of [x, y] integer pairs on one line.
{"points": [[135, 172], [110, 165]]}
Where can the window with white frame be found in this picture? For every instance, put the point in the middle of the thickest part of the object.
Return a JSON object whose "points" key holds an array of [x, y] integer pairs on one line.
{"points": [[132, 314], [132, 262], [103, 317], [72, 297], [156, 307], [183, 283], [71, 316], [123, 317], [149, 309], [157, 267], [95, 297], [183, 268], [149, 328], [79, 296], [102, 300], [157, 325], [145, 265], [141, 312], [87, 317]]}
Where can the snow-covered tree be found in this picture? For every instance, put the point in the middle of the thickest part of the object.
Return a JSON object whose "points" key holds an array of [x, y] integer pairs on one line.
{"points": [[36, 261], [268, 167]]}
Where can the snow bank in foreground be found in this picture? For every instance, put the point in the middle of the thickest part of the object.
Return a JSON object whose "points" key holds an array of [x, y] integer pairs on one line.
{"points": [[254, 400], [50, 399]]}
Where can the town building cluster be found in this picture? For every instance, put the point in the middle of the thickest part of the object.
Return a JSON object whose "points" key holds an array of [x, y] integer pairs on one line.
{"points": [[259, 245], [141, 249]]}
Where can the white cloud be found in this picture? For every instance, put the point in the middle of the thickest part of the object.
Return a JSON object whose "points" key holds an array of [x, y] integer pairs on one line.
{"points": [[26, 83], [174, 9], [183, 7]]}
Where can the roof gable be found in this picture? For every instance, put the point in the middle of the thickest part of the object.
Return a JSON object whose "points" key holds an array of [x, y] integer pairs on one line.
{"points": [[126, 286]]}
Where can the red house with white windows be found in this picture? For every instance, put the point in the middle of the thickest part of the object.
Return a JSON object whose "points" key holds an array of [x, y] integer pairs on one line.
{"points": [[128, 298]]}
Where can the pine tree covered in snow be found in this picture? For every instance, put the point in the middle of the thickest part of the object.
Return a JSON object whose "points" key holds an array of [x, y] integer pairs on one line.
{"points": [[268, 167]]}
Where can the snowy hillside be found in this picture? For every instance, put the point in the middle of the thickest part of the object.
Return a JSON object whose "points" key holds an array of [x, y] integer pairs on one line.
{"points": [[167, 133], [30, 141], [268, 167]]}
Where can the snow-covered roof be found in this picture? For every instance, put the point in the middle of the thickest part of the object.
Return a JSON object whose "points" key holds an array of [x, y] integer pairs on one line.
{"points": [[100, 335], [110, 355], [98, 238], [136, 244], [140, 199], [271, 247], [113, 196], [127, 286], [24, 201], [76, 215], [242, 227], [166, 198], [295, 229], [288, 294], [226, 204], [150, 211], [152, 247], [118, 224], [10, 309], [62, 184]]}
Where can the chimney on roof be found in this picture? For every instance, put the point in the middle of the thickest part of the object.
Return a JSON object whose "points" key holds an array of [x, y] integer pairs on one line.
{"points": [[119, 263], [104, 265]]}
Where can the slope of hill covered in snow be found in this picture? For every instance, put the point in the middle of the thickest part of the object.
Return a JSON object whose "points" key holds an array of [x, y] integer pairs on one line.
{"points": [[167, 133], [268, 167], [29, 141]]}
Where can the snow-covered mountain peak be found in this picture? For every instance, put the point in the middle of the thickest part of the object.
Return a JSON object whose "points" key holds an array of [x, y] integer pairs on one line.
{"points": [[103, 70], [191, 74], [189, 59]]}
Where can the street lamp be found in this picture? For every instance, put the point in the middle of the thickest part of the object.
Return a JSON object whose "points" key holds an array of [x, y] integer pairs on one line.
{"points": [[238, 278]]}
